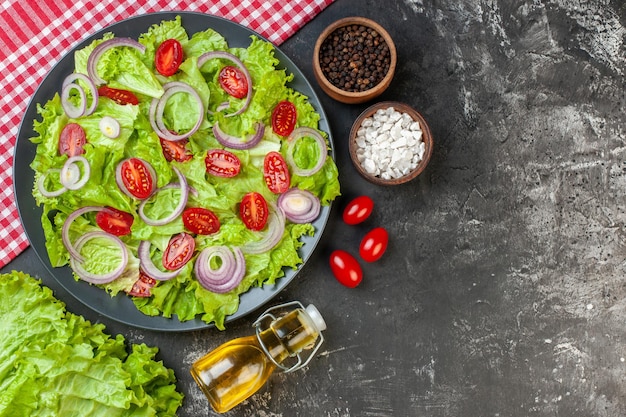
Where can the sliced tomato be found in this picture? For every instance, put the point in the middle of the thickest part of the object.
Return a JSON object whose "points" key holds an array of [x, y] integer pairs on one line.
{"points": [[168, 57], [72, 140], [179, 251], [143, 286], [284, 118], [176, 150], [201, 221], [222, 163], [276, 172], [233, 81], [254, 211], [118, 95], [114, 221], [137, 177]]}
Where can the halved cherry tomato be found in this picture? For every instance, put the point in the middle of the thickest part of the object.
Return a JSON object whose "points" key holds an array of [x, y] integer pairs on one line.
{"points": [[168, 57], [222, 163], [137, 177], [143, 286], [346, 268], [201, 221], [358, 210], [233, 81], [253, 210], [114, 221], [72, 140], [176, 150], [284, 118], [374, 244], [276, 172], [117, 95], [179, 251]]}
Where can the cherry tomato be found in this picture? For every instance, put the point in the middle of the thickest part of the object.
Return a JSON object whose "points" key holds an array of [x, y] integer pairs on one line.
{"points": [[284, 118], [253, 210], [200, 221], [117, 95], [176, 150], [374, 244], [143, 286], [276, 172], [137, 177], [346, 268], [233, 81], [168, 57], [358, 210], [179, 251], [222, 163], [72, 140], [114, 221]]}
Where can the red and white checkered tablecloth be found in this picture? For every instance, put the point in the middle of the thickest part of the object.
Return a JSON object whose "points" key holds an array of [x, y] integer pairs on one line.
{"points": [[35, 34]]}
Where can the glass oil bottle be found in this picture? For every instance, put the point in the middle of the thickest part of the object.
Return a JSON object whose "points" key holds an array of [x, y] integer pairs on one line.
{"points": [[237, 369]]}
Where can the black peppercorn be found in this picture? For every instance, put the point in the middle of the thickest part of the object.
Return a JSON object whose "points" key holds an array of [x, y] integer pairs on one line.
{"points": [[360, 57]]}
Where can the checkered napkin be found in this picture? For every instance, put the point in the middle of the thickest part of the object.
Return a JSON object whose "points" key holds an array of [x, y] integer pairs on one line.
{"points": [[35, 34]]}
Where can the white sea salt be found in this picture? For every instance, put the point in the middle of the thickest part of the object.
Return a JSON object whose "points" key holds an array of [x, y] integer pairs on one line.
{"points": [[389, 144]]}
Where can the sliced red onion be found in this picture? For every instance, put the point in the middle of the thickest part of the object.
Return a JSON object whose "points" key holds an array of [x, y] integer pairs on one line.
{"points": [[271, 235], [227, 276], [94, 57], [146, 264], [68, 84], [182, 202], [77, 264], [227, 55], [235, 142], [65, 231], [70, 173], [296, 135], [299, 206], [157, 107], [72, 111], [41, 184]]}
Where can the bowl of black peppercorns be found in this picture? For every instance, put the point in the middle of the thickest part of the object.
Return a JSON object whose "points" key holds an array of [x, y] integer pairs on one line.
{"points": [[354, 60]]}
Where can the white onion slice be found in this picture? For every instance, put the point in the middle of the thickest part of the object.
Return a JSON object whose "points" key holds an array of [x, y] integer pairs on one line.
{"points": [[109, 127], [227, 55], [42, 188], [235, 142], [72, 111], [77, 264], [70, 173], [182, 202], [94, 57], [225, 277], [68, 85], [299, 206], [146, 264], [296, 135]]}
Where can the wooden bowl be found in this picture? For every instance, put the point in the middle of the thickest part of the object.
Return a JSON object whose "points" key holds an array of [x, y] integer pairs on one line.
{"points": [[342, 95], [377, 150]]}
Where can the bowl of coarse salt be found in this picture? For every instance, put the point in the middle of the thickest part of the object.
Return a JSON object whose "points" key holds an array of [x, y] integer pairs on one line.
{"points": [[390, 143]]}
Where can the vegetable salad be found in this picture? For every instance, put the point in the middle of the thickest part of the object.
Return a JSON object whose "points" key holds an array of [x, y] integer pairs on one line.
{"points": [[124, 210]]}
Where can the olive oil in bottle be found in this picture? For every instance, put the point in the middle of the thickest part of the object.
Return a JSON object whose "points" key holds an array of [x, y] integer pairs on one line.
{"points": [[238, 368]]}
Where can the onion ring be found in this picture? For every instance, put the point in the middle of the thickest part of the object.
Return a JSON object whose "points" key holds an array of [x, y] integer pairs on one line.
{"points": [[299, 206], [146, 264], [95, 278], [157, 107], [94, 56], [182, 202], [236, 143], [296, 135], [227, 276], [272, 235]]}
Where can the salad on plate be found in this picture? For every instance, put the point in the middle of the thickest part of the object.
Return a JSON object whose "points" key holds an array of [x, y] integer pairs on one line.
{"points": [[179, 171]]}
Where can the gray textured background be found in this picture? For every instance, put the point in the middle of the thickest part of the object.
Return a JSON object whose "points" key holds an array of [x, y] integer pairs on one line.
{"points": [[502, 292]]}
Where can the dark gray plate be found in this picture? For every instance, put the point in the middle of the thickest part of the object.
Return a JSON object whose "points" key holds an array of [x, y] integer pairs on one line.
{"points": [[121, 307]]}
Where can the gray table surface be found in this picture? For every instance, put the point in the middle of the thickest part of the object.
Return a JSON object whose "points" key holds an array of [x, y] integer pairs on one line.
{"points": [[502, 292]]}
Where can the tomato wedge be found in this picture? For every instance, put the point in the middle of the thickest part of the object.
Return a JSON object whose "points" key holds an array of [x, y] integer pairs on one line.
{"points": [[276, 172], [143, 286], [254, 211], [179, 251], [136, 178], [200, 221], [176, 150], [72, 140], [168, 57], [284, 118], [118, 95], [114, 221], [233, 81], [222, 163]]}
